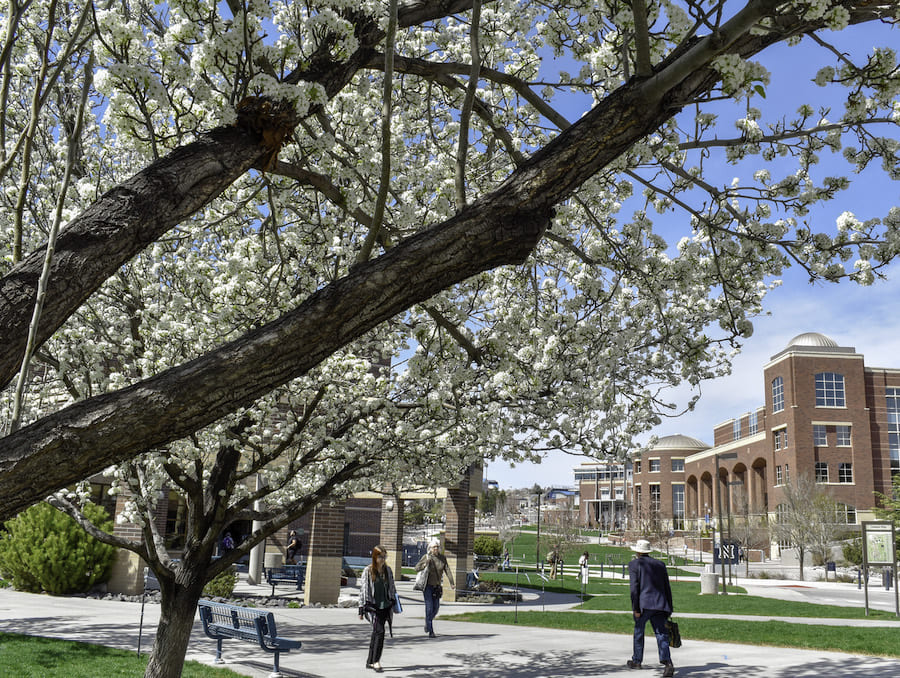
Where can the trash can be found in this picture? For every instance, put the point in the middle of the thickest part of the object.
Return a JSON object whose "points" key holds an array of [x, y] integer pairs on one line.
{"points": [[709, 583], [274, 560]]}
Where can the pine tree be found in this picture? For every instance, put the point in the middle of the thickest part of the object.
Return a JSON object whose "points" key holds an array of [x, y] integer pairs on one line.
{"points": [[45, 550]]}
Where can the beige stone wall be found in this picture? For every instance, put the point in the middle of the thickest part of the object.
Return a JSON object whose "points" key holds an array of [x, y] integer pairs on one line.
{"points": [[323, 580], [127, 574]]}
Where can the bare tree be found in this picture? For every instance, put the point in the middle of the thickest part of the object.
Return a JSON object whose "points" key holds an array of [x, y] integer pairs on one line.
{"points": [[805, 518], [750, 530]]}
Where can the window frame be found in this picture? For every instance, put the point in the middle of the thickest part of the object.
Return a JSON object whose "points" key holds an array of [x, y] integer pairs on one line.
{"points": [[843, 435], [655, 497], [820, 441], [830, 389], [845, 472], [777, 394], [753, 423]]}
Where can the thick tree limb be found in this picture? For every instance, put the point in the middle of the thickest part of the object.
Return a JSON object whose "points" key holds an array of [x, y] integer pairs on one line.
{"points": [[136, 213]]}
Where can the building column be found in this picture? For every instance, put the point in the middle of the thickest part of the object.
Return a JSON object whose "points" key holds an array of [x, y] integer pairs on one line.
{"points": [[392, 532], [326, 551], [459, 535], [127, 575]]}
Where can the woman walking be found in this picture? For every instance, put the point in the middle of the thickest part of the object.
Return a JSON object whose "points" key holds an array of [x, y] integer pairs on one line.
{"points": [[377, 595], [437, 566]]}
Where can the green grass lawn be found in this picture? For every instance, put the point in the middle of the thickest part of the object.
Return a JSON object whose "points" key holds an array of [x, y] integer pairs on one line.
{"points": [[524, 549], [871, 640], [35, 657], [609, 594], [572, 584]]}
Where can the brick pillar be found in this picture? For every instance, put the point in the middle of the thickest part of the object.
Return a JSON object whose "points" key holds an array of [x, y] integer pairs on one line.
{"points": [[392, 532], [326, 549], [459, 536], [127, 575]]}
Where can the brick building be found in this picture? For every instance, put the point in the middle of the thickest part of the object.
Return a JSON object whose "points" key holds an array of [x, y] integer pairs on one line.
{"points": [[826, 416], [659, 492], [603, 489]]}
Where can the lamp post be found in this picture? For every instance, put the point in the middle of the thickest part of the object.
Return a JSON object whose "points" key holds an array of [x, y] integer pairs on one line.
{"points": [[728, 455], [537, 552], [730, 485]]}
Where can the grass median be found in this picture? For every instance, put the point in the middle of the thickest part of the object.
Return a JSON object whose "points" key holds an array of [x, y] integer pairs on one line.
{"points": [[868, 640], [36, 657], [612, 595]]}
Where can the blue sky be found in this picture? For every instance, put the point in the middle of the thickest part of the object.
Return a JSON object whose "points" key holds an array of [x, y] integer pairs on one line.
{"points": [[867, 318]]}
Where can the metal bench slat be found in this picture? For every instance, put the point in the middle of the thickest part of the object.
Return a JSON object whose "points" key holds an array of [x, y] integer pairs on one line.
{"points": [[221, 620]]}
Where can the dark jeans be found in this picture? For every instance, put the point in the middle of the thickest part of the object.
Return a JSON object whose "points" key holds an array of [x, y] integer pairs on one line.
{"points": [[657, 620], [376, 642], [432, 605]]}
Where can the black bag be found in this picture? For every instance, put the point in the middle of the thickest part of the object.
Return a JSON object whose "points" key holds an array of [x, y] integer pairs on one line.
{"points": [[674, 633]]}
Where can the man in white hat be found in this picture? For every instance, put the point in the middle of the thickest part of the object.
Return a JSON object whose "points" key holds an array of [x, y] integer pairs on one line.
{"points": [[651, 600]]}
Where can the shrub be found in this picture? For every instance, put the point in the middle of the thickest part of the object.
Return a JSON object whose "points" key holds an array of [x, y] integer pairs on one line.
{"points": [[222, 585], [853, 552], [487, 546], [45, 550]]}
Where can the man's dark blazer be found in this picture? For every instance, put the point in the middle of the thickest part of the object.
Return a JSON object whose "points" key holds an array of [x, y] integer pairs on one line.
{"points": [[650, 588]]}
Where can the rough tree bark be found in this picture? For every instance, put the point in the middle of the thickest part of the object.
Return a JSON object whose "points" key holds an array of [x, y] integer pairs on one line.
{"points": [[178, 605]]}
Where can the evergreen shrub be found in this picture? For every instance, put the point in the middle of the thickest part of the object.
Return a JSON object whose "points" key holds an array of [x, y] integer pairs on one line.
{"points": [[45, 550], [222, 585], [486, 545]]}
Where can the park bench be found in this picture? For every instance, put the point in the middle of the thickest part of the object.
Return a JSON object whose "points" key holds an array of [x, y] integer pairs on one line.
{"points": [[352, 566], [221, 621], [355, 562], [287, 574]]}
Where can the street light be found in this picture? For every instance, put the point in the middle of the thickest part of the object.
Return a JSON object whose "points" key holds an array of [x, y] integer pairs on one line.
{"points": [[537, 554], [729, 455], [731, 484]]}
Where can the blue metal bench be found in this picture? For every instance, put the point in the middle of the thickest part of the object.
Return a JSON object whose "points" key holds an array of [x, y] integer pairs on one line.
{"points": [[288, 574], [221, 621]]}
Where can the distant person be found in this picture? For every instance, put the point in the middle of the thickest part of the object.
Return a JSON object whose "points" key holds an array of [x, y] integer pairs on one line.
{"points": [[437, 566], [553, 559], [227, 542], [377, 595], [651, 600], [506, 560], [583, 567], [293, 547]]}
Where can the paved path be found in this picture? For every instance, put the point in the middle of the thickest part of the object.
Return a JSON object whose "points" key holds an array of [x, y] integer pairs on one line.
{"points": [[335, 643]]}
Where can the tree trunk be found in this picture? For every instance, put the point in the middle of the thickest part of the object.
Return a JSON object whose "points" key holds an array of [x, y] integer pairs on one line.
{"points": [[178, 608], [800, 558]]}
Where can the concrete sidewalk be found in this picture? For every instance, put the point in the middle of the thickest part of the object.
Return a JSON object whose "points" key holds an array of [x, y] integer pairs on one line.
{"points": [[335, 642]]}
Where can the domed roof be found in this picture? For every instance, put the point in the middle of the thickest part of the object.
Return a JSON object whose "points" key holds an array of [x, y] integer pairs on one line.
{"points": [[811, 339], [679, 442]]}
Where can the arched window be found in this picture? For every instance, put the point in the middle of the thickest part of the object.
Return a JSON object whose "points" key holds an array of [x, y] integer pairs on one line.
{"points": [[830, 390], [777, 394]]}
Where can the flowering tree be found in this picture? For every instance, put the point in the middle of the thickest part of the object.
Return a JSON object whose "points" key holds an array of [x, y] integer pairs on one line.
{"points": [[341, 243]]}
